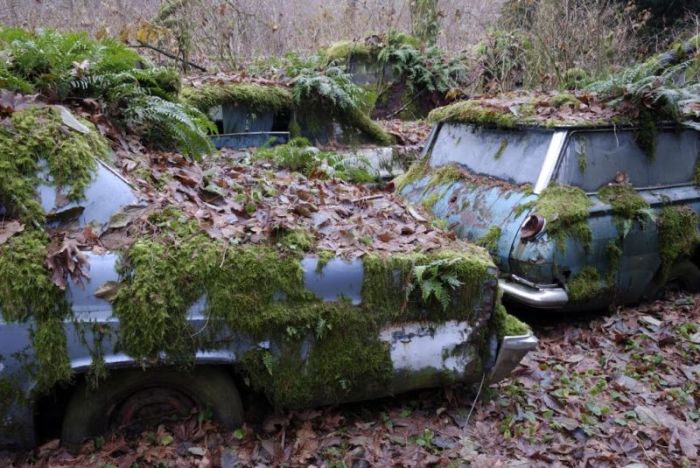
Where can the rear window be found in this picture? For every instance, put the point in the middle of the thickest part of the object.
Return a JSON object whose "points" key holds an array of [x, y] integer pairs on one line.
{"points": [[515, 156], [593, 159]]}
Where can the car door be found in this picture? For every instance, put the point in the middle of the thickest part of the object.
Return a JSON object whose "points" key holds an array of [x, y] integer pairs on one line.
{"points": [[625, 248]]}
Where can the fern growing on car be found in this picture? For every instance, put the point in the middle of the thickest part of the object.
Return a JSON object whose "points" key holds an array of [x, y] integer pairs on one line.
{"points": [[141, 97], [332, 84], [435, 279], [422, 70]]}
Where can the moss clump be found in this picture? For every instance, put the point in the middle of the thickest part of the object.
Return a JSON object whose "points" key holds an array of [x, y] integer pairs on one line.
{"points": [[254, 97], [299, 156], [490, 240], [417, 170], [342, 51], [585, 285], [27, 292], [161, 278], [566, 211], [564, 99], [625, 201], [34, 137], [613, 252], [501, 149], [445, 175], [678, 235], [508, 325], [647, 132], [471, 112], [324, 256], [296, 240], [429, 202]]}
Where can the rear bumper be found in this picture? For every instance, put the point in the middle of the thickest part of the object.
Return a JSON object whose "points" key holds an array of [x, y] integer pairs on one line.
{"points": [[537, 296], [511, 351]]}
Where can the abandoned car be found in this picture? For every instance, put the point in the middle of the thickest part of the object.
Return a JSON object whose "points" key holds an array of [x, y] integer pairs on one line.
{"points": [[123, 301], [578, 214]]}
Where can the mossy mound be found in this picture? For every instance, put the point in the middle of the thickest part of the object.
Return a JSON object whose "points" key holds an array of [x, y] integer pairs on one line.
{"points": [[625, 201], [585, 286], [36, 137], [28, 292], [678, 235], [511, 110], [566, 211], [508, 325], [343, 50], [257, 98]]}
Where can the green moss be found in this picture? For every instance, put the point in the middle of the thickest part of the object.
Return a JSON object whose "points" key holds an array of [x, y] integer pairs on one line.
{"points": [[445, 175], [696, 178], [34, 137], [342, 51], [254, 97], [490, 240], [416, 171], [508, 325], [297, 240], [501, 149], [625, 201], [647, 132], [26, 293], [678, 235], [585, 285], [324, 256], [613, 253], [566, 211], [472, 112], [564, 99], [429, 202]]}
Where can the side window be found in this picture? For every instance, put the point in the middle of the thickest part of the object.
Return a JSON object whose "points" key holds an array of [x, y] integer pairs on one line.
{"points": [[593, 158]]}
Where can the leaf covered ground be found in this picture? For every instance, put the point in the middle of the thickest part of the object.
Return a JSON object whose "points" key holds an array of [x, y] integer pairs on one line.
{"points": [[604, 390]]}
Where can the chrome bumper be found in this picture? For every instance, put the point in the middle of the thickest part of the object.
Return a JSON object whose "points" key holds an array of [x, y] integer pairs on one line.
{"points": [[533, 295], [511, 351]]}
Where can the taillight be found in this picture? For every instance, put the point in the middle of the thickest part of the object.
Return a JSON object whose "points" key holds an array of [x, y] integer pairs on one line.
{"points": [[533, 225]]}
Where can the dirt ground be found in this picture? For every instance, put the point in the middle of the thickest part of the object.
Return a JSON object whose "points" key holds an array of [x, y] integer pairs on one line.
{"points": [[617, 389]]}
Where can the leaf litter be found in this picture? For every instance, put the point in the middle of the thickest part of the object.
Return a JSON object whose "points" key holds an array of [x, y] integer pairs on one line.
{"points": [[614, 390]]}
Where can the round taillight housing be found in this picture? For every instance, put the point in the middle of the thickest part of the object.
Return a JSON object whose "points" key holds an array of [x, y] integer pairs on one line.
{"points": [[533, 225]]}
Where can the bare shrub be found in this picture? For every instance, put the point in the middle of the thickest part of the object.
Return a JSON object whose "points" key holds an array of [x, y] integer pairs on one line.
{"points": [[226, 33]]}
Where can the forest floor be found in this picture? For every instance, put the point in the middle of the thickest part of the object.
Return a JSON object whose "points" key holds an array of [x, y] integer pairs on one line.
{"points": [[616, 389]]}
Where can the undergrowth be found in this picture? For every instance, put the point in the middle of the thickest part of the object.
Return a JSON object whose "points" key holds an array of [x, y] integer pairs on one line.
{"points": [[143, 98]]}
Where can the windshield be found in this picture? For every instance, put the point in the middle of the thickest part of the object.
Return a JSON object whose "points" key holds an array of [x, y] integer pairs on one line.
{"points": [[515, 156]]}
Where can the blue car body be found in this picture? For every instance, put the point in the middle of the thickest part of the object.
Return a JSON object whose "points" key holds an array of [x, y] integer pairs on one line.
{"points": [[507, 171]]}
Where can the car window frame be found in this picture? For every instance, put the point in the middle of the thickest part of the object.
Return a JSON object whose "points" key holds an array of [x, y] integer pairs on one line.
{"points": [[573, 131]]}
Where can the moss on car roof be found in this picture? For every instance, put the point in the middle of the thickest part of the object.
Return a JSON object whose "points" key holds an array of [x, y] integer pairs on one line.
{"points": [[667, 86], [254, 96]]}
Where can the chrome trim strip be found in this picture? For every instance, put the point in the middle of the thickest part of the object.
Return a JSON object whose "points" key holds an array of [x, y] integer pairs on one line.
{"points": [[550, 161], [541, 298], [510, 353]]}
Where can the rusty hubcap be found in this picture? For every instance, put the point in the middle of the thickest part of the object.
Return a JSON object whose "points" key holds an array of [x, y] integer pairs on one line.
{"points": [[151, 405]]}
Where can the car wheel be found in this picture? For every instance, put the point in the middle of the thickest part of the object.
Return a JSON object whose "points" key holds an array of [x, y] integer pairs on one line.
{"points": [[131, 400]]}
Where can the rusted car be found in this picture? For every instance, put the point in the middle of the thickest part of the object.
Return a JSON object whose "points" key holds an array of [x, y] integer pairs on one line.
{"points": [[308, 337], [576, 216]]}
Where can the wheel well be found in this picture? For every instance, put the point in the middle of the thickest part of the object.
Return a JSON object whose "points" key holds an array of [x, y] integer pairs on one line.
{"points": [[50, 407]]}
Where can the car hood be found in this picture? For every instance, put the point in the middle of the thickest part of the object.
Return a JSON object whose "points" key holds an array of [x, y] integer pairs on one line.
{"points": [[489, 214]]}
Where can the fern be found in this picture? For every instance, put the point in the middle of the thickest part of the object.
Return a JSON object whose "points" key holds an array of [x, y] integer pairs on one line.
{"points": [[435, 279], [331, 84], [143, 98]]}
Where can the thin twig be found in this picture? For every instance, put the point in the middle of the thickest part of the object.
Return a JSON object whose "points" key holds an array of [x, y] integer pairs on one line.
{"points": [[144, 45], [476, 399]]}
